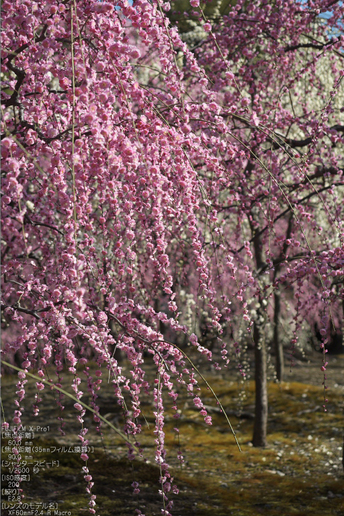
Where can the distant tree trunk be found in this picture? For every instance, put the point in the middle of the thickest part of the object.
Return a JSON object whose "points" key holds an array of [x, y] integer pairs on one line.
{"points": [[278, 345], [261, 403], [343, 341], [342, 348], [260, 356]]}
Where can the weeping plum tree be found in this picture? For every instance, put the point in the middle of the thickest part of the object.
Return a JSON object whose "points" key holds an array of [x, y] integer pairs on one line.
{"points": [[132, 178], [290, 154]]}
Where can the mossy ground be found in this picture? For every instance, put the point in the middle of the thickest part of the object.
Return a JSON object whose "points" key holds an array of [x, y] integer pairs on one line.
{"points": [[299, 473]]}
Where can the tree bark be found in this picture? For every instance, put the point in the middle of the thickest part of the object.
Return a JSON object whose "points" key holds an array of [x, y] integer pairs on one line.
{"points": [[260, 356], [278, 345], [343, 408], [261, 402]]}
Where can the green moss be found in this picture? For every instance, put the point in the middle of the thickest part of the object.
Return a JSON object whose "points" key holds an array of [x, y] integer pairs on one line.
{"points": [[292, 476]]}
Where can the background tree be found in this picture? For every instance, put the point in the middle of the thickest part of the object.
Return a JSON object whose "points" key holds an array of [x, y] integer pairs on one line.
{"points": [[237, 50]]}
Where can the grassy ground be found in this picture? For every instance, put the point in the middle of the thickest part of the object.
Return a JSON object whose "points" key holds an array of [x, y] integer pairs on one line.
{"points": [[299, 473]]}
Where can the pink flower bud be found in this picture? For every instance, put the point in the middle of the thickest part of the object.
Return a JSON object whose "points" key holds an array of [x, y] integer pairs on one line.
{"points": [[40, 386], [208, 420]]}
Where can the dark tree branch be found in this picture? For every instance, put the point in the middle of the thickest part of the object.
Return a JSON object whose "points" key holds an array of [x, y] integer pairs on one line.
{"points": [[319, 46], [21, 49], [20, 74], [259, 233], [46, 139], [35, 223], [21, 309], [299, 143], [12, 101]]}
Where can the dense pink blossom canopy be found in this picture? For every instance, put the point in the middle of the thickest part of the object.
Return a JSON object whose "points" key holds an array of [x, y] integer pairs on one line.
{"points": [[148, 184]]}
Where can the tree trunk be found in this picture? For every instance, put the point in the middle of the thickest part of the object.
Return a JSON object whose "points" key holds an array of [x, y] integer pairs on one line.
{"points": [[261, 406], [278, 346], [342, 348], [277, 341], [260, 355]]}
